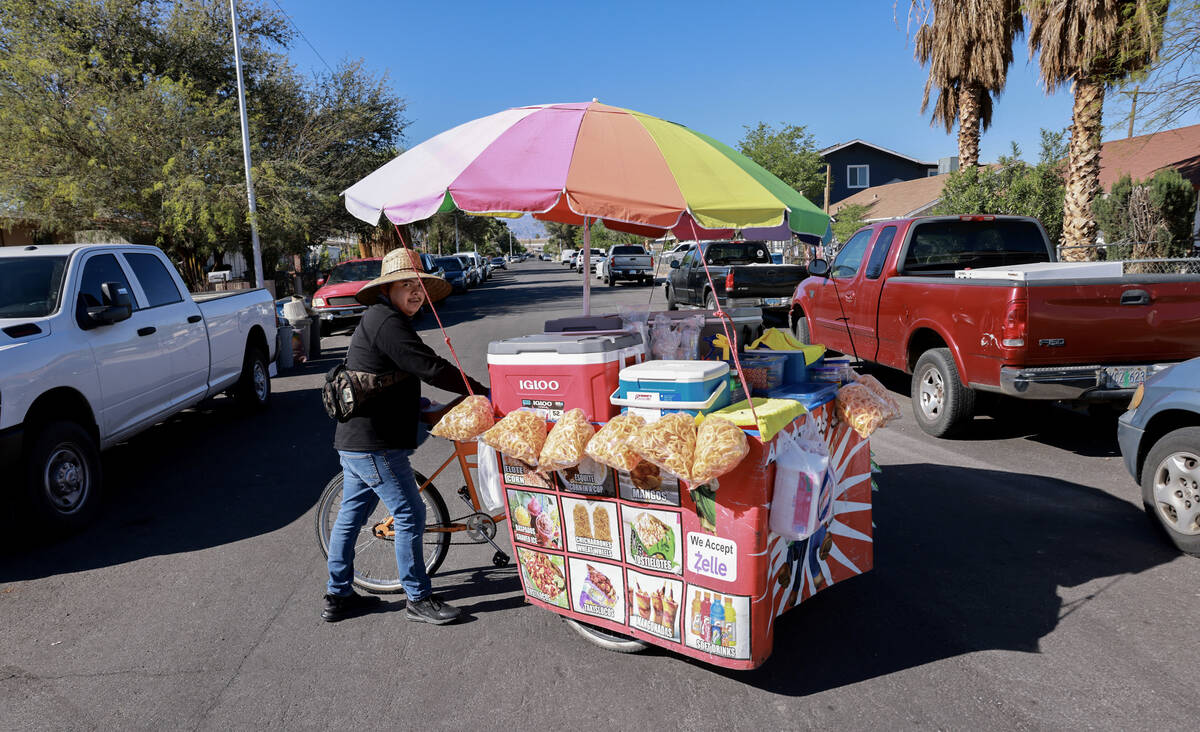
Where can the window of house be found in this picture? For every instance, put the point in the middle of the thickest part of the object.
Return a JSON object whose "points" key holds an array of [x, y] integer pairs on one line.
{"points": [[932, 172], [857, 176]]}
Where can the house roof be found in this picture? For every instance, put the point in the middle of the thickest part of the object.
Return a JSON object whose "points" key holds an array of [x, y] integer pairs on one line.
{"points": [[840, 145], [896, 200], [1142, 156]]}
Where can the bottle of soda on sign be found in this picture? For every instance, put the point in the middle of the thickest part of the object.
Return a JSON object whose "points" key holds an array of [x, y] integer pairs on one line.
{"points": [[694, 615], [706, 617], [729, 637], [717, 620]]}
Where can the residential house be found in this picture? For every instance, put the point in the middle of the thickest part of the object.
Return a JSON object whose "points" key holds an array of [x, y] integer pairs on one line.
{"points": [[858, 165]]}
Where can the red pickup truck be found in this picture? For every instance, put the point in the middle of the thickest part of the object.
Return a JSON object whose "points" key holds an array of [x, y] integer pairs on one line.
{"points": [[976, 303]]}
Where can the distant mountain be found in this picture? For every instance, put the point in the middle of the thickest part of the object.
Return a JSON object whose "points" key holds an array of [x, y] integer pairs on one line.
{"points": [[526, 227]]}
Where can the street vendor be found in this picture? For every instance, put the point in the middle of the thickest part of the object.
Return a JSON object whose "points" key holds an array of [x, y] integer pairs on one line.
{"points": [[375, 444]]}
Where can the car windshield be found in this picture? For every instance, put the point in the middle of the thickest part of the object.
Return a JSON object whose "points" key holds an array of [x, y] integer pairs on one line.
{"points": [[947, 245], [737, 252], [497, 260], [355, 271], [30, 286], [450, 264], [628, 250]]}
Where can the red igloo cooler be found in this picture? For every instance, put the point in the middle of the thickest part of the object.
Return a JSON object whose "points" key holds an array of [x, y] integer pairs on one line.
{"points": [[552, 373]]}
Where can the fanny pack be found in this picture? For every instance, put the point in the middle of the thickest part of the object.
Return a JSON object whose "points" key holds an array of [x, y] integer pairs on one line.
{"points": [[345, 391]]}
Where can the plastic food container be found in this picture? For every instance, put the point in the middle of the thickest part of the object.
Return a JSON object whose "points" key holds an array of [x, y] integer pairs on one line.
{"points": [[764, 370], [655, 388], [831, 370], [795, 369], [554, 373], [810, 394]]}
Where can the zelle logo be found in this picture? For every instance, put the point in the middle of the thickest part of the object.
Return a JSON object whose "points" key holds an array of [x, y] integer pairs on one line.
{"points": [[540, 385]]}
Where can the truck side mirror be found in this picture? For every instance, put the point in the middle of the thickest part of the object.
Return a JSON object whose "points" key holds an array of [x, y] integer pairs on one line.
{"points": [[320, 281], [818, 268], [674, 264], [117, 305]]}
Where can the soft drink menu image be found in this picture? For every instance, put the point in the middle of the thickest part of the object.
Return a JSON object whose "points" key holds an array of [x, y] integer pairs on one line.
{"points": [[717, 623]]}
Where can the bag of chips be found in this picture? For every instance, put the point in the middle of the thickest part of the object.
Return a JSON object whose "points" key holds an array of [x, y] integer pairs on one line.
{"points": [[468, 419], [612, 446], [669, 443], [520, 435], [862, 409], [881, 391], [720, 446], [566, 442]]}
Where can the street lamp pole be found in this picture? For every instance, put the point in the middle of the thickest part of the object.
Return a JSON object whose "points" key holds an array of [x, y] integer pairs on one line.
{"points": [[241, 87]]}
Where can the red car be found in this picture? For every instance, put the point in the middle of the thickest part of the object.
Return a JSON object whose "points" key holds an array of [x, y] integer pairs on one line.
{"points": [[334, 300]]}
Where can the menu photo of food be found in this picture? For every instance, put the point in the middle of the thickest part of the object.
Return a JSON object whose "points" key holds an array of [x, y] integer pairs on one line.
{"points": [[520, 475], [652, 539], [535, 518], [589, 478], [654, 604], [647, 483], [597, 589], [544, 576], [591, 528]]}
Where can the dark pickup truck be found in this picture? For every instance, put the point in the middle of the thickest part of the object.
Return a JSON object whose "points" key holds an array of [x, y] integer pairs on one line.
{"points": [[742, 275]]}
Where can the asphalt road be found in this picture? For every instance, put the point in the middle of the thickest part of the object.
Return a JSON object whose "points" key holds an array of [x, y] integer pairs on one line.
{"points": [[1017, 585]]}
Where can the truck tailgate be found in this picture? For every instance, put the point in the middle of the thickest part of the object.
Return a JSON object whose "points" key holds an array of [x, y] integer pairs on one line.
{"points": [[630, 261], [766, 280], [1133, 319]]}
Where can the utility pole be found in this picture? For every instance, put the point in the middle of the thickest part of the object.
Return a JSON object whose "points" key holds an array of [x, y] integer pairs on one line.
{"points": [[1133, 95], [510, 244], [241, 87], [828, 182]]}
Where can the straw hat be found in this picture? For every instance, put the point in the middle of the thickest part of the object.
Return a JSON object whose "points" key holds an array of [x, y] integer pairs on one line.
{"points": [[402, 264]]}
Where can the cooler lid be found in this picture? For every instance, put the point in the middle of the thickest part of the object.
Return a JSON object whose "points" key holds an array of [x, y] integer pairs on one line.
{"points": [[588, 323], [565, 343], [675, 371]]}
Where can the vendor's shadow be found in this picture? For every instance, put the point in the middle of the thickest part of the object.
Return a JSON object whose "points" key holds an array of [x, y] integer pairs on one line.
{"points": [[966, 560]]}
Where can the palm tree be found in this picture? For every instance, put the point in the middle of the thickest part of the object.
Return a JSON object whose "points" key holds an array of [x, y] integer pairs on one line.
{"points": [[968, 45], [1091, 44]]}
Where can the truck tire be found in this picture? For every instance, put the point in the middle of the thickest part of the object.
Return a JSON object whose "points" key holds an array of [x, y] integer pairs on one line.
{"points": [[942, 404], [710, 301], [1169, 487], [610, 281], [63, 478], [800, 328], [253, 389], [671, 304]]}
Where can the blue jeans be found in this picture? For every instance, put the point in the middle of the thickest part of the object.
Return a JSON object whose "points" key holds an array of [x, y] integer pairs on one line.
{"points": [[368, 477]]}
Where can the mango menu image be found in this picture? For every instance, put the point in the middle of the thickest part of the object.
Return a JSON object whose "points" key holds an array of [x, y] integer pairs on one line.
{"points": [[647, 483], [654, 604], [597, 589], [535, 518], [716, 623], [545, 578], [591, 528], [652, 539]]}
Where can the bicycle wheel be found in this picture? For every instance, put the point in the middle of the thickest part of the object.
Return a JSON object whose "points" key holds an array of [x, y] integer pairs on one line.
{"points": [[375, 556], [606, 639]]}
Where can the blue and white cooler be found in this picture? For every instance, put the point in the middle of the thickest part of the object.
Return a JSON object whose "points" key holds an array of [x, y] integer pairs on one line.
{"points": [[656, 388]]}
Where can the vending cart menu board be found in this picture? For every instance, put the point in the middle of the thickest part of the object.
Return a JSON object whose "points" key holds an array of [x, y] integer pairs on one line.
{"points": [[627, 551]]}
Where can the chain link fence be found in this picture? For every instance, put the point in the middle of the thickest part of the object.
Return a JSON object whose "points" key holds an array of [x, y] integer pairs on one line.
{"points": [[1133, 256]]}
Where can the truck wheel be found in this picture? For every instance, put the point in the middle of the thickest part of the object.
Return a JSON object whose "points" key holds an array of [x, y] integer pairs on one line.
{"points": [[64, 477], [800, 328], [1171, 487], [253, 390], [610, 281], [671, 304], [710, 302], [942, 404]]}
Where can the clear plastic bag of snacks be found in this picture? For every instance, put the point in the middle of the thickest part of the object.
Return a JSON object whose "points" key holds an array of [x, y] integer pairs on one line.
{"points": [[520, 435], [880, 391], [468, 419], [611, 444], [669, 443], [862, 409], [664, 339], [720, 446], [566, 442], [689, 337]]}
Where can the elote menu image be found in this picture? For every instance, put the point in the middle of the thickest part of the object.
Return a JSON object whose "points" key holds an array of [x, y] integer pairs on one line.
{"points": [[652, 539], [597, 589], [654, 604], [591, 528], [647, 483], [589, 478], [535, 518], [716, 623], [520, 475], [544, 576]]}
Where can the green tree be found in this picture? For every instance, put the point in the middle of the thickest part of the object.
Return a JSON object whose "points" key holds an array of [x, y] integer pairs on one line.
{"points": [[1147, 219], [563, 236], [849, 219], [790, 154]]}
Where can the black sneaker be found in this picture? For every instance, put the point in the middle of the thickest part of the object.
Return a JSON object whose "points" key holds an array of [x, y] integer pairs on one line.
{"points": [[340, 607], [431, 610]]}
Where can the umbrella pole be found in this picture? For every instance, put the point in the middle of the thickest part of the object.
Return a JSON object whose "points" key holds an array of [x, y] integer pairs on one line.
{"points": [[587, 268]]}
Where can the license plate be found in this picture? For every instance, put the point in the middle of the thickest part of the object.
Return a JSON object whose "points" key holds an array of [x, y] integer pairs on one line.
{"points": [[1125, 377], [772, 300]]}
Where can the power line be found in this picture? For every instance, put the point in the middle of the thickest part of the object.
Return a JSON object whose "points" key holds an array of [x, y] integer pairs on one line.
{"points": [[302, 36]]}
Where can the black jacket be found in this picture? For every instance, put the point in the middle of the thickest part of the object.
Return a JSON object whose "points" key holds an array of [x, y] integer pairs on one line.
{"points": [[385, 341]]}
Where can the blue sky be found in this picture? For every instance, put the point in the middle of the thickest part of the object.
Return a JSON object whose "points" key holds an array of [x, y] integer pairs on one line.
{"points": [[845, 70]]}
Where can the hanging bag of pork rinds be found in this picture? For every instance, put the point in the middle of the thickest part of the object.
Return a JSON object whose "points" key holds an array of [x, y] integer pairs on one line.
{"points": [[611, 444], [720, 446], [566, 442], [880, 391], [862, 409], [468, 419], [669, 443], [520, 435]]}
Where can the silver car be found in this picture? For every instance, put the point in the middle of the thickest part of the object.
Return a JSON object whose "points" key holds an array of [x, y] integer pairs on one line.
{"points": [[1160, 442]]}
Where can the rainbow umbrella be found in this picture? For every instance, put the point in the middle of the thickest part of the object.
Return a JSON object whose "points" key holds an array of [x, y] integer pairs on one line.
{"points": [[581, 162]]}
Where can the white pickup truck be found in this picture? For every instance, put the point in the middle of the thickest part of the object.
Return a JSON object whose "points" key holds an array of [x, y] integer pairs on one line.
{"points": [[99, 342], [626, 262]]}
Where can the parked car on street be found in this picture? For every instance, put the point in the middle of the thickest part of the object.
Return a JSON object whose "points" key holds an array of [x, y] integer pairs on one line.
{"points": [[455, 273], [677, 252], [978, 303], [499, 263], [334, 302], [595, 259], [1160, 443], [471, 265], [626, 262], [742, 277], [98, 343], [567, 257]]}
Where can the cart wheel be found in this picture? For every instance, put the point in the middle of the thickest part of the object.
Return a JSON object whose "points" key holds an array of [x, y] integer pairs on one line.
{"points": [[606, 639], [500, 559]]}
